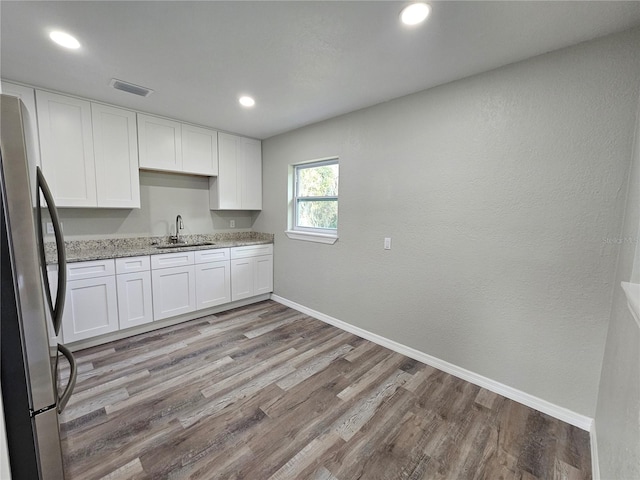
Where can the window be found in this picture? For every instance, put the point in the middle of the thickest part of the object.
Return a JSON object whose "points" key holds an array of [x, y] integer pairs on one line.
{"points": [[315, 201]]}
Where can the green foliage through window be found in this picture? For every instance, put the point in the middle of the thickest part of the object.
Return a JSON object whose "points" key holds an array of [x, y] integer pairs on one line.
{"points": [[316, 195]]}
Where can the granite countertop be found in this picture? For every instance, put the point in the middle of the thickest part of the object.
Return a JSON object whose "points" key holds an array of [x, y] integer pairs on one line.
{"points": [[85, 250]]}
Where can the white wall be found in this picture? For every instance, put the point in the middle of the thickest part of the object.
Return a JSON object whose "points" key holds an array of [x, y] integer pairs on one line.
{"points": [[618, 413], [162, 197], [501, 192]]}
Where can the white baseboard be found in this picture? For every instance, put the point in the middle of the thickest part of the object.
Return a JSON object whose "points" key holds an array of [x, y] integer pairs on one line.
{"points": [[595, 463], [561, 413]]}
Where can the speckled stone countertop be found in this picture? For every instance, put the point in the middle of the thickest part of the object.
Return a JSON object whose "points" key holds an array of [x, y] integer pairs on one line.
{"points": [[85, 250]]}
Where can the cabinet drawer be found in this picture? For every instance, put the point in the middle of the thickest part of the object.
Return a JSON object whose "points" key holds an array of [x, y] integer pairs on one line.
{"points": [[133, 264], [251, 251], [213, 255], [93, 269], [166, 260]]}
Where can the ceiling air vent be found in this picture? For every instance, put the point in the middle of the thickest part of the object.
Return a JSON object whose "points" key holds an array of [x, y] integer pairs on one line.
{"points": [[130, 88]]}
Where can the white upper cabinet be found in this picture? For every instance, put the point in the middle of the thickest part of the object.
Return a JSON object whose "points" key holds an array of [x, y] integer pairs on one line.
{"points": [[89, 152], [252, 173], [239, 182], [160, 141], [224, 191], [66, 148], [172, 146], [116, 157], [199, 150]]}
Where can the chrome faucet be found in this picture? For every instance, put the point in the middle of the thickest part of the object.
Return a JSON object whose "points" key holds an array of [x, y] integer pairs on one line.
{"points": [[179, 226]]}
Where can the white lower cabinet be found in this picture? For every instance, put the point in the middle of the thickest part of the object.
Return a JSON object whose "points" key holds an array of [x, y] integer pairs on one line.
{"points": [[105, 296], [213, 278], [133, 279], [174, 288], [251, 271], [263, 280], [91, 304], [242, 273]]}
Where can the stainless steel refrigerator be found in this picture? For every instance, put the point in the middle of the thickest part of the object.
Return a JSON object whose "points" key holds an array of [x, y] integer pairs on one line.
{"points": [[32, 394]]}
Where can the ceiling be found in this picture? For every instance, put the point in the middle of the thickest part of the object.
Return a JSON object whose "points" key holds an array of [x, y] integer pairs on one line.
{"points": [[302, 61]]}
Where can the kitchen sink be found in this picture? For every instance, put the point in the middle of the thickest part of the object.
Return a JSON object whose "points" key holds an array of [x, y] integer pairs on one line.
{"points": [[184, 245]]}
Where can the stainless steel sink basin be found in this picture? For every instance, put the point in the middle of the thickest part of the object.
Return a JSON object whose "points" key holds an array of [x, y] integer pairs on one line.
{"points": [[184, 245]]}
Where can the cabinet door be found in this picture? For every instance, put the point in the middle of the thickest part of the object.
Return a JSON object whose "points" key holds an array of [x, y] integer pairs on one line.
{"points": [[160, 143], [263, 274], [238, 185], [115, 144], [90, 308], [174, 291], [66, 147], [199, 150], [224, 191], [134, 299], [242, 278], [213, 284], [251, 175]]}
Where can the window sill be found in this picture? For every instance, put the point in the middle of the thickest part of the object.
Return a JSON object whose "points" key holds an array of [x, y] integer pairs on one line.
{"points": [[312, 237], [632, 290]]}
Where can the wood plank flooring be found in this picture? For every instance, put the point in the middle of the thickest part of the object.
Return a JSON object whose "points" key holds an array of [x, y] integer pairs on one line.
{"points": [[266, 392]]}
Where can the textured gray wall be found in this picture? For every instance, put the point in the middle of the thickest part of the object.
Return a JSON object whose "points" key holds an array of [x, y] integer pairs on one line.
{"points": [[500, 193], [162, 197], [618, 413]]}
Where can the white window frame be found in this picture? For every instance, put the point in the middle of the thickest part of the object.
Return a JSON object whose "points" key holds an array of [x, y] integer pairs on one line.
{"points": [[295, 232]]}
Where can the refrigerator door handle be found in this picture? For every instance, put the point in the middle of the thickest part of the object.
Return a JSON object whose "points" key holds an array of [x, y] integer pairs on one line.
{"points": [[73, 375], [57, 310]]}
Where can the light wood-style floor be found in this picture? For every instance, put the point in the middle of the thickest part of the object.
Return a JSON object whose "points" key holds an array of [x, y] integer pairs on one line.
{"points": [[265, 392]]}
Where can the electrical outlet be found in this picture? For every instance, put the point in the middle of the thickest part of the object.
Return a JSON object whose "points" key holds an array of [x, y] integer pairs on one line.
{"points": [[387, 243], [232, 223], [50, 230]]}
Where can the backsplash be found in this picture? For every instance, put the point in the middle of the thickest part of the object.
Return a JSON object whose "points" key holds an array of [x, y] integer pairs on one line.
{"points": [[162, 197]]}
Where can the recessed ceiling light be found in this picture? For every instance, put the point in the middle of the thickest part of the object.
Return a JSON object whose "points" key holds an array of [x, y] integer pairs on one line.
{"points": [[247, 101], [415, 13], [64, 39]]}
